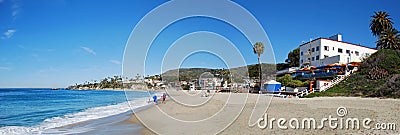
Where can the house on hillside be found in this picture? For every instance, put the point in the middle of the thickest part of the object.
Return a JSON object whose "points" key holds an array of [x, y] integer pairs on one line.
{"points": [[323, 51], [327, 61]]}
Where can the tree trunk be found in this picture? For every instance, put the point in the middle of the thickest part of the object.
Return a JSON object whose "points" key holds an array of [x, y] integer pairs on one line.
{"points": [[259, 72]]}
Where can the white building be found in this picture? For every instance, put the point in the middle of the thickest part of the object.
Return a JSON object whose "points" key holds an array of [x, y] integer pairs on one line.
{"points": [[323, 51]]}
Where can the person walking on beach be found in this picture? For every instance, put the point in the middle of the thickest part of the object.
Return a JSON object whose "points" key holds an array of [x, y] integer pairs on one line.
{"points": [[163, 97], [155, 98]]}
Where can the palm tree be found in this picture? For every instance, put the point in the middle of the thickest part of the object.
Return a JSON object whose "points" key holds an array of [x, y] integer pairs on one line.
{"points": [[389, 39], [103, 83], [380, 22], [258, 49]]}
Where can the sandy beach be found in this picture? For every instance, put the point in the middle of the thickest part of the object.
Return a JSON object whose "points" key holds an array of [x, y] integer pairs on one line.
{"points": [[215, 113]]}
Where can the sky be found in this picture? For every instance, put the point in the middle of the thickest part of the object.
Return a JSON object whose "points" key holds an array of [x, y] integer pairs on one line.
{"points": [[56, 43]]}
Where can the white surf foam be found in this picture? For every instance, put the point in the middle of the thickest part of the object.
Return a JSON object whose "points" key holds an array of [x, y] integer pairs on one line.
{"points": [[88, 114]]}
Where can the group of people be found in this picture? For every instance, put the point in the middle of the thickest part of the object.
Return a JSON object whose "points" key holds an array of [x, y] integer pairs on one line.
{"points": [[164, 96], [206, 93]]}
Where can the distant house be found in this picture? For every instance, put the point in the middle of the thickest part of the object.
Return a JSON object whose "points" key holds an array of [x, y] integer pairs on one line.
{"points": [[323, 51], [287, 71], [150, 81]]}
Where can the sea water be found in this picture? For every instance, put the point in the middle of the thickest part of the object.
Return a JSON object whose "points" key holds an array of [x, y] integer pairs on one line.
{"points": [[35, 110]]}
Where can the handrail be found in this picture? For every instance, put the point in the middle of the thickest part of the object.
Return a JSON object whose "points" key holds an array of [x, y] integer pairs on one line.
{"points": [[335, 81]]}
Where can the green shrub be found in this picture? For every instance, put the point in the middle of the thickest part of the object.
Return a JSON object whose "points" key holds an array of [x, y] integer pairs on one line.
{"points": [[287, 80]]}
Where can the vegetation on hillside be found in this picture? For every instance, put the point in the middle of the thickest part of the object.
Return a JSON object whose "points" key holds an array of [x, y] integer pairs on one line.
{"points": [[191, 74], [287, 80], [185, 74], [106, 83], [379, 74], [293, 58]]}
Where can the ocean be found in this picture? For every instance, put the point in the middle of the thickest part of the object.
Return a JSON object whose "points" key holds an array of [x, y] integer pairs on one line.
{"points": [[36, 110]]}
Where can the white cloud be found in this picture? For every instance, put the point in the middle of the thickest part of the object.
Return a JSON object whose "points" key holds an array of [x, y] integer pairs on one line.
{"points": [[87, 49], [43, 50], [115, 62], [15, 9], [14, 13], [5, 68], [35, 49], [9, 33]]}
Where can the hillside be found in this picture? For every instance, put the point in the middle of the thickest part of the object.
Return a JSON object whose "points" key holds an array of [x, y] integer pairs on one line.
{"points": [[379, 76], [238, 73]]}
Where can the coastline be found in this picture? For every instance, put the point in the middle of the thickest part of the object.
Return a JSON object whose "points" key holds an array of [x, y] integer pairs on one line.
{"points": [[380, 110], [114, 124], [119, 89], [64, 109]]}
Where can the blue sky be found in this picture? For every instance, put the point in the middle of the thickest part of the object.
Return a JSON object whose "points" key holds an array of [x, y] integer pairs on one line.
{"points": [[56, 43]]}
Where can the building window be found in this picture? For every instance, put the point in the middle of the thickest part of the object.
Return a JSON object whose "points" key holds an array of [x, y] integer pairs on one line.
{"points": [[326, 48], [340, 50], [317, 48], [313, 50], [367, 54], [301, 53], [326, 56], [312, 59], [333, 48], [317, 57], [348, 51], [357, 53], [301, 61]]}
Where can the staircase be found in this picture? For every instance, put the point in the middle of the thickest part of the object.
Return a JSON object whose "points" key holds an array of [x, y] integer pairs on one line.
{"points": [[303, 93], [335, 81]]}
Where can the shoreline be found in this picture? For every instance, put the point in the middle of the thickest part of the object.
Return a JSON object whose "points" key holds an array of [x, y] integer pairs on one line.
{"points": [[115, 124], [382, 110], [64, 109], [133, 119], [112, 124], [118, 89]]}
